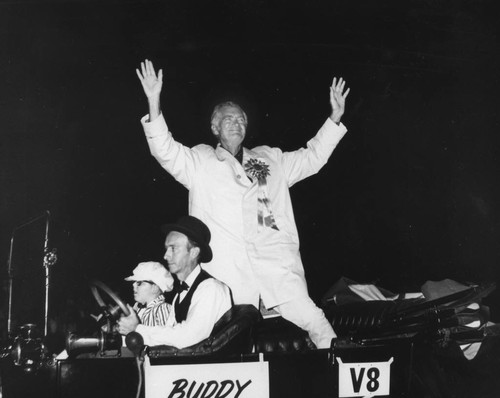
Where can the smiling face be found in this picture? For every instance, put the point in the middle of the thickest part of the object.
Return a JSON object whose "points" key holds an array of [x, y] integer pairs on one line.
{"points": [[229, 125], [181, 256]]}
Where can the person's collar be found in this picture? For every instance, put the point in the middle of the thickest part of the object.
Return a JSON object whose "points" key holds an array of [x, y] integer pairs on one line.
{"points": [[239, 156], [193, 275], [157, 300], [223, 153]]}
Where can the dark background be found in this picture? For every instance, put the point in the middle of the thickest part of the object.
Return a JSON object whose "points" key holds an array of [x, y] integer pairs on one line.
{"points": [[411, 193]]}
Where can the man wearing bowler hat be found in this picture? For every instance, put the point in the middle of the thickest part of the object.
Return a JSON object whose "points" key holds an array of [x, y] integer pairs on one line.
{"points": [[201, 299]]}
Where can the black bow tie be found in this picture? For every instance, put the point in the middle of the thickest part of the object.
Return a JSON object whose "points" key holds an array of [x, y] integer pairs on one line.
{"points": [[181, 286]]}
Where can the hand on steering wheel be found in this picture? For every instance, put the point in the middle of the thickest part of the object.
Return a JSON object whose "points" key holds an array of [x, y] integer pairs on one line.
{"points": [[114, 310]]}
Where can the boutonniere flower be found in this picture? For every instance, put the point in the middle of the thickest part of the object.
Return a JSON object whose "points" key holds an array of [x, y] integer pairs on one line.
{"points": [[257, 169]]}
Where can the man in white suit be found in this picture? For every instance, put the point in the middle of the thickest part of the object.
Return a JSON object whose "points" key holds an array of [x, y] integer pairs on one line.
{"points": [[243, 196]]}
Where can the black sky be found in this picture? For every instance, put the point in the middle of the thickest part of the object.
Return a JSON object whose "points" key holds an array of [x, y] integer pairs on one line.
{"points": [[410, 194]]}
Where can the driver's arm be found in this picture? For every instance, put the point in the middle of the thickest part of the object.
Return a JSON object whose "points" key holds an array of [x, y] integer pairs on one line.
{"points": [[210, 301]]}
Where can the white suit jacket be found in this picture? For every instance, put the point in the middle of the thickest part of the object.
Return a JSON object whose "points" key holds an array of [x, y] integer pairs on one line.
{"points": [[251, 263]]}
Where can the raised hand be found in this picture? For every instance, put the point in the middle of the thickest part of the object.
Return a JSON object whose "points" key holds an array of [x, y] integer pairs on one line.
{"points": [[151, 83], [337, 98]]}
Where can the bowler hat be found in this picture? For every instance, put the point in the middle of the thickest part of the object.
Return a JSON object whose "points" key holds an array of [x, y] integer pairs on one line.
{"points": [[195, 230]]}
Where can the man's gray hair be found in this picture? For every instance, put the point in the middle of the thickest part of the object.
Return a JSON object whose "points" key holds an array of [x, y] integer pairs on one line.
{"points": [[218, 108]]}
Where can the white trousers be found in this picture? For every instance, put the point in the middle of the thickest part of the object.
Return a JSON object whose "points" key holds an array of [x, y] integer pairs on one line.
{"points": [[304, 313]]}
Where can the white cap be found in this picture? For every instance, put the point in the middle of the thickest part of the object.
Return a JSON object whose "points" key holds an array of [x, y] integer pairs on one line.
{"points": [[154, 272]]}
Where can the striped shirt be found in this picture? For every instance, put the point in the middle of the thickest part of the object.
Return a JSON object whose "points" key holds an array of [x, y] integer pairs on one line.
{"points": [[156, 313]]}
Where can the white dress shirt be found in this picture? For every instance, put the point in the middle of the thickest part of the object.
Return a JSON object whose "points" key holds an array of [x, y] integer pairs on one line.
{"points": [[209, 302]]}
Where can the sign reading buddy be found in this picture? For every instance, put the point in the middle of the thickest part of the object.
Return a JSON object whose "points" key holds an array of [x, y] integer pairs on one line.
{"points": [[218, 380]]}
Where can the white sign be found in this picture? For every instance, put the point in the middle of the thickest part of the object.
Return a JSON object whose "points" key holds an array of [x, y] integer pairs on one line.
{"points": [[214, 380], [364, 379]]}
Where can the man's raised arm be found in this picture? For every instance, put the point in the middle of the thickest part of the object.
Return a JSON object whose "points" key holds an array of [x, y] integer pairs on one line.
{"points": [[307, 161], [152, 84], [174, 157], [337, 99]]}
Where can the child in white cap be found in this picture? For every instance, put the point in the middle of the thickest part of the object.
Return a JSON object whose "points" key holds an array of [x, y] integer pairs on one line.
{"points": [[151, 279]]}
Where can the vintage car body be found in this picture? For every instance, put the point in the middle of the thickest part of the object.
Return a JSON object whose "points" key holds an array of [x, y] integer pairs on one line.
{"points": [[377, 355], [293, 374]]}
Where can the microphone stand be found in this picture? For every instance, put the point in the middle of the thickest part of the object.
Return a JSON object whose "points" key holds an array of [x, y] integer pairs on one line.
{"points": [[49, 259]]}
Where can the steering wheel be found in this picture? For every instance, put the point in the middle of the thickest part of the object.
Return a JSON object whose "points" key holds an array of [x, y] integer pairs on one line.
{"points": [[113, 310]]}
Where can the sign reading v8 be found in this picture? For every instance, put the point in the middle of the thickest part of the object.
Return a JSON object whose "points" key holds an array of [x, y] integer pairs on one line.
{"points": [[364, 378]]}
